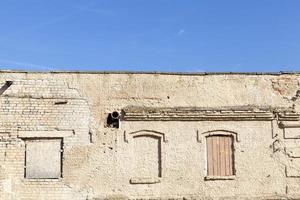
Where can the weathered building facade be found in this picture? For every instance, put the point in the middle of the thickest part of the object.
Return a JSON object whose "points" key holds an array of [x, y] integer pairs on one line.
{"points": [[91, 136]]}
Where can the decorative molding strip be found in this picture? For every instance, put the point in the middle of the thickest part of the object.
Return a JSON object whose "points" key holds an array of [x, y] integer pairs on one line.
{"points": [[149, 180], [240, 113], [222, 132], [213, 178], [44, 134], [288, 115], [289, 124], [149, 133]]}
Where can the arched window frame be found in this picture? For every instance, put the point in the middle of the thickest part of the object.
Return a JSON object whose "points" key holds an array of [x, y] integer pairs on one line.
{"points": [[146, 133], [154, 134], [221, 132]]}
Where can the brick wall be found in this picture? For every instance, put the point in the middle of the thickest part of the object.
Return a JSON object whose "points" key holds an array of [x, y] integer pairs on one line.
{"points": [[166, 118]]}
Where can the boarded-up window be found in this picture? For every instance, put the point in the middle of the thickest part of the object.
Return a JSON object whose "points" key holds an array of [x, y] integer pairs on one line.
{"points": [[220, 155], [43, 158], [147, 156]]}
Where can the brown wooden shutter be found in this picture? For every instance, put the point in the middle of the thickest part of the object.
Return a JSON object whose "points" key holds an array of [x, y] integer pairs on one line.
{"points": [[219, 155]]}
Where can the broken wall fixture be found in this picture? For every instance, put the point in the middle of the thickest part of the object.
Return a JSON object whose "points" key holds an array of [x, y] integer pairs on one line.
{"points": [[62, 137]]}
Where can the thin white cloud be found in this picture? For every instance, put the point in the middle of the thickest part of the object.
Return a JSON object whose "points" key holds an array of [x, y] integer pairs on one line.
{"points": [[78, 9], [180, 32], [5, 63], [177, 34], [97, 11], [46, 23]]}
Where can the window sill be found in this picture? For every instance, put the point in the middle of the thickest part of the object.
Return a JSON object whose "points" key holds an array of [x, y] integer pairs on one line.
{"points": [[148, 180], [214, 178], [42, 179]]}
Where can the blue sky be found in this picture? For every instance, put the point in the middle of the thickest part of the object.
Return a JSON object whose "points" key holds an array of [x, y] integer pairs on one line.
{"points": [[150, 35]]}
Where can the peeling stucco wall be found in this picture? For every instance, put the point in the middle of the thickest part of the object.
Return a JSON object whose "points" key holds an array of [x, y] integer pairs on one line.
{"points": [[176, 109]]}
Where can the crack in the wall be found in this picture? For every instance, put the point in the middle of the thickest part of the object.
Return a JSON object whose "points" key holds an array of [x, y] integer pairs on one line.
{"points": [[93, 126]]}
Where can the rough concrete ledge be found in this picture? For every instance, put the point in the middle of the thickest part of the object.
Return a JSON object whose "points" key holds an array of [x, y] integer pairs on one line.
{"points": [[238, 113], [151, 72]]}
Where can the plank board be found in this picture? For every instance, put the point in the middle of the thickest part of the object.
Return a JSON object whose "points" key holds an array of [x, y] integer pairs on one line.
{"points": [[219, 156]]}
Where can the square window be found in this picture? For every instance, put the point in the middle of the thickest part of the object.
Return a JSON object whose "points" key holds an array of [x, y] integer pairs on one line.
{"points": [[43, 159]]}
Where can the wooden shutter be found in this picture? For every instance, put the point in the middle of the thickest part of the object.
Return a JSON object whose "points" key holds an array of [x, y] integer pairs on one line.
{"points": [[219, 155]]}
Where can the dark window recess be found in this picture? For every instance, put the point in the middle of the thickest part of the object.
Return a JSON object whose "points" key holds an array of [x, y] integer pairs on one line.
{"points": [[113, 120], [60, 102], [91, 136], [6, 85]]}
